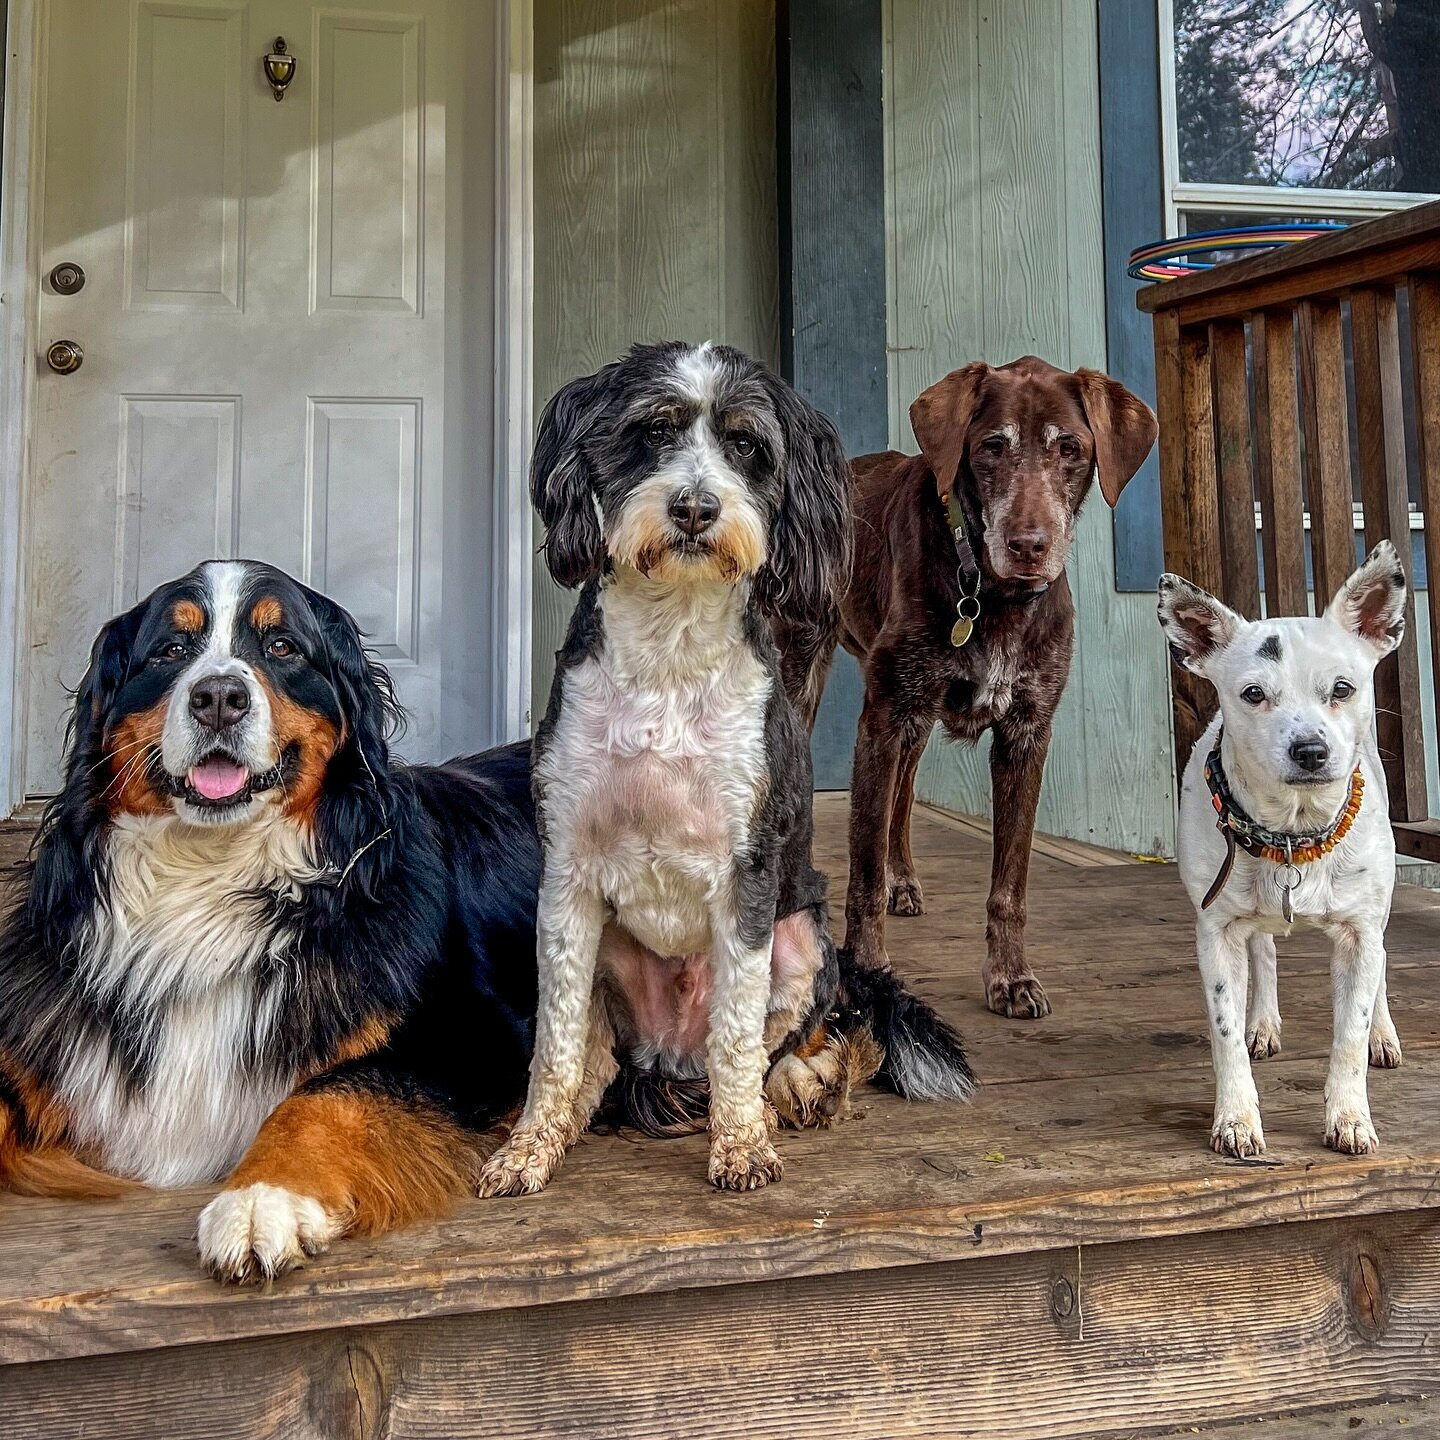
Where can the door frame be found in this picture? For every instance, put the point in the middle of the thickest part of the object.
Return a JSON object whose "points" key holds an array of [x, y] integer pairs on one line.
{"points": [[22, 153]]}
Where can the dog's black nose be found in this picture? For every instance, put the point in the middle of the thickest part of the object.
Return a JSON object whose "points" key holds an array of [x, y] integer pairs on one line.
{"points": [[219, 701], [1028, 544], [694, 511], [1309, 754]]}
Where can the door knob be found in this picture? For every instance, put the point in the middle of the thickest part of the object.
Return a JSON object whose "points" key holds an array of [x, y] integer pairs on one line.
{"points": [[64, 357]]}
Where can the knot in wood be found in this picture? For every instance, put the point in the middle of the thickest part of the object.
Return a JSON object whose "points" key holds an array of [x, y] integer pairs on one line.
{"points": [[1368, 1305], [1062, 1298]]}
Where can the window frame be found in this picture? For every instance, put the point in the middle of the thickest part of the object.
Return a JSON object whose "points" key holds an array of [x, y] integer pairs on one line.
{"points": [[1300, 201]]}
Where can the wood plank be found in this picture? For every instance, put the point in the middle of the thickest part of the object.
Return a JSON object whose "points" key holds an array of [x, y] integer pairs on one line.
{"points": [[1327, 446], [1277, 462], [1420, 839], [1122, 1335], [1233, 457], [1384, 494], [1056, 847], [1424, 291], [1361, 254]]}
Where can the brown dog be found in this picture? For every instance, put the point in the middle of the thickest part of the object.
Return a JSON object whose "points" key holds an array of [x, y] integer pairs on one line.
{"points": [[1008, 458]]}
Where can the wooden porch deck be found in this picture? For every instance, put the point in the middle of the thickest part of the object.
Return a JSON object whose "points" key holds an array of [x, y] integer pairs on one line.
{"points": [[1064, 1257]]}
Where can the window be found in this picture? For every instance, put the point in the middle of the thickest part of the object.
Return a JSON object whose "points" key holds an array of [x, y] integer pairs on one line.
{"points": [[1298, 108]]}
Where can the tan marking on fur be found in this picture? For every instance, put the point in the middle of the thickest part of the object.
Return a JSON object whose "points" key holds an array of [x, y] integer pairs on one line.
{"points": [[36, 1157], [267, 614], [188, 617], [128, 750], [369, 1036], [811, 1087], [374, 1162], [317, 740]]}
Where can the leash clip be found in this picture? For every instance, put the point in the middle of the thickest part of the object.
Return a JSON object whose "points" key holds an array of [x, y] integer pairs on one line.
{"points": [[1290, 877]]}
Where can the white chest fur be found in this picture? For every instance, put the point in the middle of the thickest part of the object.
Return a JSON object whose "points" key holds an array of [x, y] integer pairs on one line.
{"points": [[175, 959], [658, 761]]}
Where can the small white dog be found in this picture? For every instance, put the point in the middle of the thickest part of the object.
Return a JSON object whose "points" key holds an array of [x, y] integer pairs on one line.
{"points": [[1284, 819]]}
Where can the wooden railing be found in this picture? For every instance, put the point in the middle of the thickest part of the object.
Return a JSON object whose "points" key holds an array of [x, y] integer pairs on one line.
{"points": [[1254, 405]]}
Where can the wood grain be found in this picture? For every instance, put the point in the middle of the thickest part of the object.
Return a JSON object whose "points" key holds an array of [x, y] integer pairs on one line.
{"points": [[1384, 494], [1277, 461], [1090, 1127], [1121, 1334], [1233, 458], [1327, 446], [1424, 294]]}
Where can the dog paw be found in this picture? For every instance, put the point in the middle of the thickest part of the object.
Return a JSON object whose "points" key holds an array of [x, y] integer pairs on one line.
{"points": [[1384, 1048], [906, 896], [812, 1091], [1264, 1040], [523, 1165], [742, 1163], [1021, 997], [1238, 1135], [261, 1231], [1351, 1133]]}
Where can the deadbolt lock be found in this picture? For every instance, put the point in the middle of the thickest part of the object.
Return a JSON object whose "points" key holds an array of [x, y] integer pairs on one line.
{"points": [[67, 278]]}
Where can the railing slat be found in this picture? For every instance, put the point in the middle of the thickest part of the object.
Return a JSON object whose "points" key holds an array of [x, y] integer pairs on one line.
{"points": [[1237, 480], [1277, 461], [1327, 446], [1425, 354], [1384, 493], [1182, 381]]}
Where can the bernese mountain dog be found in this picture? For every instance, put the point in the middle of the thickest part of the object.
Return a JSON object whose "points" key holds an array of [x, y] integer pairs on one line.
{"points": [[249, 947]]}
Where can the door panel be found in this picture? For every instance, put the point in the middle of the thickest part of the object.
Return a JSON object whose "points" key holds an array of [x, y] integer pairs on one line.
{"points": [[267, 323]]}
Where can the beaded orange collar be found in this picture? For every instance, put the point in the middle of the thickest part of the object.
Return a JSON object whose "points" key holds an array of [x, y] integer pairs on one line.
{"points": [[1280, 847]]}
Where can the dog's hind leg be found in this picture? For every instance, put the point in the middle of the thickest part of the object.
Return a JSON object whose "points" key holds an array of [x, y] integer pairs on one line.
{"points": [[902, 886], [1384, 1042], [1262, 1024], [810, 1087]]}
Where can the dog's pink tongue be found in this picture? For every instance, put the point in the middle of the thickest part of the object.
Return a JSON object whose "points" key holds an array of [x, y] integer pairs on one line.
{"points": [[218, 778]]}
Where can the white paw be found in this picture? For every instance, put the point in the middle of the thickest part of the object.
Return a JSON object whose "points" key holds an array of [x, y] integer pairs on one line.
{"points": [[1238, 1135], [1264, 1039], [1384, 1047], [1351, 1133], [261, 1231]]}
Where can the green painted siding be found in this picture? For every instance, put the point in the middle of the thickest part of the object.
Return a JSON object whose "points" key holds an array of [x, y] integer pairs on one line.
{"points": [[993, 191], [654, 196]]}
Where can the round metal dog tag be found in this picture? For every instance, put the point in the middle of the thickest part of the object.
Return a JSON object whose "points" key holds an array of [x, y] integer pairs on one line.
{"points": [[964, 627]]}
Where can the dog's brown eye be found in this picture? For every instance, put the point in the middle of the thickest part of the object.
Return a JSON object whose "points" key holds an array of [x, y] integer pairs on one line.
{"points": [[657, 431], [744, 445], [279, 648], [175, 650], [1069, 447], [993, 445], [1252, 695], [1343, 690]]}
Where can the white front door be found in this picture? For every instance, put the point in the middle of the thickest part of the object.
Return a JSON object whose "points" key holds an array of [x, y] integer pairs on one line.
{"points": [[282, 357]]}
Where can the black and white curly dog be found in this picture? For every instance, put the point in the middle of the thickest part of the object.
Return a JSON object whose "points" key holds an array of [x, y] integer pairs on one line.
{"points": [[682, 926], [250, 947]]}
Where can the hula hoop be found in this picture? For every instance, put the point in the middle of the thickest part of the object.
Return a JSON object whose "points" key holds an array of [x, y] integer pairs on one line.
{"points": [[1166, 259]]}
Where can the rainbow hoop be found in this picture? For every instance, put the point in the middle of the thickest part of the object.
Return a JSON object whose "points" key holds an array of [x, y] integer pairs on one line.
{"points": [[1165, 259]]}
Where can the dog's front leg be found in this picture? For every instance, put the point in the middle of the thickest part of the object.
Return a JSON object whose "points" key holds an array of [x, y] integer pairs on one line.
{"points": [[1384, 1041], [1262, 1018], [1357, 970], [1017, 766], [742, 1156], [568, 926], [1224, 959]]}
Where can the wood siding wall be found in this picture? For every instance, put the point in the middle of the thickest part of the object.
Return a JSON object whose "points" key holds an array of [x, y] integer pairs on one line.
{"points": [[654, 196], [993, 188]]}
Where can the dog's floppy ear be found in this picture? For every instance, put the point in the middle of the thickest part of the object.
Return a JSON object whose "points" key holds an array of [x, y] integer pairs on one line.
{"points": [[1196, 624], [1124, 428], [1371, 603], [560, 480], [366, 692], [109, 666], [941, 415], [808, 563]]}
